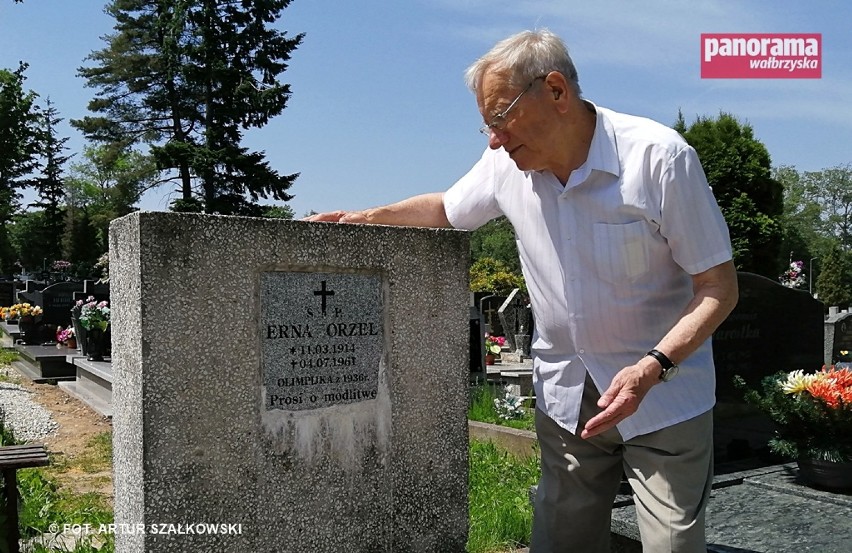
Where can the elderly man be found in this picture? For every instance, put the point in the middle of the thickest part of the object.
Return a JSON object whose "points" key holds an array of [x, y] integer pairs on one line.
{"points": [[628, 263]]}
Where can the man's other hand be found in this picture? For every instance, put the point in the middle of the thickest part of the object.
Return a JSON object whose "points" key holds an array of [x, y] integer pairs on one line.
{"points": [[622, 398]]}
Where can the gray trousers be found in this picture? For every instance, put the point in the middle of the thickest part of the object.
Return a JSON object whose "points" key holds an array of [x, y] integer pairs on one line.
{"points": [[670, 471]]}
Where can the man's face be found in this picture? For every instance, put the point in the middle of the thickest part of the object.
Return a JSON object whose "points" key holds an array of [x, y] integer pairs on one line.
{"points": [[527, 125]]}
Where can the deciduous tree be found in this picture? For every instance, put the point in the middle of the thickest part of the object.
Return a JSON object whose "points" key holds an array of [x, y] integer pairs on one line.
{"points": [[19, 149], [496, 240], [834, 286], [106, 185], [831, 189], [738, 168]]}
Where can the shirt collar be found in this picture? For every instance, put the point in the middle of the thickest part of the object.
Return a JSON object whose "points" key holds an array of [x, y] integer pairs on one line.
{"points": [[603, 151]]}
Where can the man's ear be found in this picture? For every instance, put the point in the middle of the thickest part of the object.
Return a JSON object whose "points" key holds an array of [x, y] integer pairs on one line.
{"points": [[557, 83]]}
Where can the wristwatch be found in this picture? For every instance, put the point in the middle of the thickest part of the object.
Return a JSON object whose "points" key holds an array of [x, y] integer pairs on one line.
{"points": [[669, 369]]}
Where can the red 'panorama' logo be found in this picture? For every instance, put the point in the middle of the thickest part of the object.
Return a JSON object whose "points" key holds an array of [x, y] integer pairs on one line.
{"points": [[761, 56]]}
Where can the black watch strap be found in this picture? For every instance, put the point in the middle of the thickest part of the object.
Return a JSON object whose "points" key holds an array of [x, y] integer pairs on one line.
{"points": [[665, 362], [669, 370]]}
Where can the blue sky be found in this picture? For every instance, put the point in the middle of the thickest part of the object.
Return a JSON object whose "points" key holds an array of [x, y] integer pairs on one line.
{"points": [[380, 112]]}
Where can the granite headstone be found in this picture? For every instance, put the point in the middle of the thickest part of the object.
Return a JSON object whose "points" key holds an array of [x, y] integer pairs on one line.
{"points": [[315, 416], [93, 289], [477, 346], [8, 293], [772, 328], [838, 337], [509, 312], [57, 300], [489, 306]]}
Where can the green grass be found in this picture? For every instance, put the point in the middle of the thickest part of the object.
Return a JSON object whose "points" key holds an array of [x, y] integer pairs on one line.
{"points": [[96, 457], [43, 504], [6, 358], [500, 510], [482, 408]]}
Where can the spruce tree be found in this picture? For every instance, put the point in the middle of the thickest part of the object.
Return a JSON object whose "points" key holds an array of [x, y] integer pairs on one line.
{"points": [[187, 78], [49, 183]]}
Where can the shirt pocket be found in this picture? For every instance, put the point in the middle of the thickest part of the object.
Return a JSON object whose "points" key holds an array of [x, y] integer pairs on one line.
{"points": [[621, 251]]}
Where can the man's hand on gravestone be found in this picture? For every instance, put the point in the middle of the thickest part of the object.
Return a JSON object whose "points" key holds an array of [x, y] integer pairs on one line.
{"points": [[623, 396], [425, 210], [338, 217]]}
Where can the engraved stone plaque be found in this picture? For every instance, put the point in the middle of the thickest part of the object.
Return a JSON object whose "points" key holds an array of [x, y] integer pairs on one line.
{"points": [[322, 337]]}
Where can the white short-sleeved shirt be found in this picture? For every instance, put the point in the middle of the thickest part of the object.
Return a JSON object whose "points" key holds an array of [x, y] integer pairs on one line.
{"points": [[608, 260]]}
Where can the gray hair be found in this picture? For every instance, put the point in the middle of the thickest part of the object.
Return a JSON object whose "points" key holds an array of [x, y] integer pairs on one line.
{"points": [[525, 56]]}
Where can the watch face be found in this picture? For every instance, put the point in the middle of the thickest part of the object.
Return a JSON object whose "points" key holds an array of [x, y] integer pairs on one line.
{"points": [[669, 373]]}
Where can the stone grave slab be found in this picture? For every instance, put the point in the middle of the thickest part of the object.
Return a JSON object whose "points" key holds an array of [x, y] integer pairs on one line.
{"points": [[763, 510], [476, 351], [92, 384], [8, 293], [773, 328], [44, 363], [57, 300], [92, 288]]}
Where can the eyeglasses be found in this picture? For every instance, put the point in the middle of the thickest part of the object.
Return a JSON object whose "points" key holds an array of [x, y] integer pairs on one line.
{"points": [[498, 122]]}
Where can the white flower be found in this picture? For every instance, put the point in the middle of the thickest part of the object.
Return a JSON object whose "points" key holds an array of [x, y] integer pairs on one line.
{"points": [[797, 381]]}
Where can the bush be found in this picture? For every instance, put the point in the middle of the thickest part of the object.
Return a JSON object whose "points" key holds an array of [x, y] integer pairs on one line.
{"points": [[489, 275]]}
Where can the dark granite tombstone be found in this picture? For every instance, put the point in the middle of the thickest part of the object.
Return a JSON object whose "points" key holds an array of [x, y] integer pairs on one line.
{"points": [[489, 306], [8, 293], [838, 337], [31, 286], [772, 328], [93, 288], [477, 345], [56, 300]]}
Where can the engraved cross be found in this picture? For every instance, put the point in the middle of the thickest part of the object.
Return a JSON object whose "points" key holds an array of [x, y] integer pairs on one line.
{"points": [[323, 293]]}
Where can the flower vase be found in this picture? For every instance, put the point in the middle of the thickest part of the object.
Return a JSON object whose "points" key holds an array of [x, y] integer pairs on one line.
{"points": [[71, 343], [80, 333], [95, 344], [489, 358], [826, 475], [29, 330]]}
